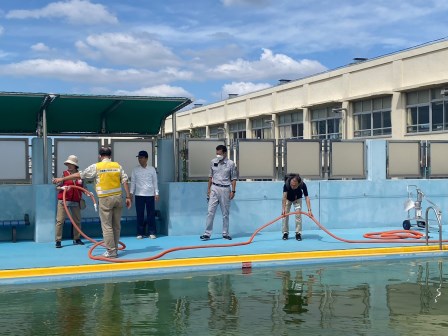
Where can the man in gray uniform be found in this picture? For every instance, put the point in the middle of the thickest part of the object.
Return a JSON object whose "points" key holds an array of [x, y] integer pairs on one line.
{"points": [[221, 190]]}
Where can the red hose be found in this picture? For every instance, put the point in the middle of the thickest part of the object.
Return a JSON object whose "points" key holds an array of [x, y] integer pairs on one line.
{"points": [[394, 236], [95, 242]]}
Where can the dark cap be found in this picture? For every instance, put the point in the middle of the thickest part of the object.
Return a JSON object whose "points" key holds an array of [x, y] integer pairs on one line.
{"points": [[143, 153]]}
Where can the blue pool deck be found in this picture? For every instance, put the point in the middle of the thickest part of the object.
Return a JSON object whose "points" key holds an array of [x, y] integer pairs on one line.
{"points": [[348, 208], [28, 262]]}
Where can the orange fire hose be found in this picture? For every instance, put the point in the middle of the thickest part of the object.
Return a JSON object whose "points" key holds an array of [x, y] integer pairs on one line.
{"points": [[394, 236]]}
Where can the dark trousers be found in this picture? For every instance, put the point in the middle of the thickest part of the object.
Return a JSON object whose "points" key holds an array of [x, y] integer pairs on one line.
{"points": [[142, 202]]}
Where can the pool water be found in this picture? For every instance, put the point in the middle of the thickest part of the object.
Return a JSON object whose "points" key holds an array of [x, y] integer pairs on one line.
{"points": [[400, 297]]}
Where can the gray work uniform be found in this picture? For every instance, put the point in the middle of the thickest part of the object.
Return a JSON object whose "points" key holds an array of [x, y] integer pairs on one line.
{"points": [[222, 173]]}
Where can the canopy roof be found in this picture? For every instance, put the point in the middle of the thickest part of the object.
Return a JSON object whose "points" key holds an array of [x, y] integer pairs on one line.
{"points": [[23, 113]]}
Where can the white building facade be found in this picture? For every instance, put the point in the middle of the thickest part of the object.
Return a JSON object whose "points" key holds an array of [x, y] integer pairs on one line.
{"points": [[401, 96]]}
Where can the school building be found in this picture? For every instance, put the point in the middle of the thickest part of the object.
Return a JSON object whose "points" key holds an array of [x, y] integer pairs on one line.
{"points": [[400, 96]]}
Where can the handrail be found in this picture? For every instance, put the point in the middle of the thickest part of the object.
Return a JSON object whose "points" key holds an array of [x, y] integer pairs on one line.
{"points": [[438, 213]]}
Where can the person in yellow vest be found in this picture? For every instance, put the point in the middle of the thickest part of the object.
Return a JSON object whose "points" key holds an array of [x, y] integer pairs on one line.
{"points": [[109, 176]]}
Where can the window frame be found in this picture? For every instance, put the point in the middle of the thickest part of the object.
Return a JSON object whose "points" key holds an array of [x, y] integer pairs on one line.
{"points": [[237, 130], [423, 102], [290, 121], [367, 109], [260, 128], [325, 119]]}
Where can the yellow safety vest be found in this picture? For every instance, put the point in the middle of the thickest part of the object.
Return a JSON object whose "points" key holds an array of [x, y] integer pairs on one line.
{"points": [[109, 179]]}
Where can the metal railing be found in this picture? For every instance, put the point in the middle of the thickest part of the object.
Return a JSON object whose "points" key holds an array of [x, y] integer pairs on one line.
{"points": [[438, 214]]}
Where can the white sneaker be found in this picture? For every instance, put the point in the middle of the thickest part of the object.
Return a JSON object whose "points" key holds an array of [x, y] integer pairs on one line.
{"points": [[108, 255], [152, 236], [139, 237]]}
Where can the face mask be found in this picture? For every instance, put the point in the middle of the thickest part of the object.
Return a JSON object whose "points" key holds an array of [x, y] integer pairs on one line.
{"points": [[219, 157]]}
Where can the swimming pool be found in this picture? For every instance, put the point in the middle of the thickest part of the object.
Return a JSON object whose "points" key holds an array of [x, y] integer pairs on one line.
{"points": [[368, 298]]}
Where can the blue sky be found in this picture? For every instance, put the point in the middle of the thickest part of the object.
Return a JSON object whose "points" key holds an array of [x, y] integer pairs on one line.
{"points": [[201, 49]]}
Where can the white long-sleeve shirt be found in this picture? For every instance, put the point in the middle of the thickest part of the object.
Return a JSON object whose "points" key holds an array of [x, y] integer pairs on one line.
{"points": [[144, 181]]}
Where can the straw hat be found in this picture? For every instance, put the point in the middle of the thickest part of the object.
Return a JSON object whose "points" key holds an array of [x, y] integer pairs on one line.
{"points": [[72, 159]]}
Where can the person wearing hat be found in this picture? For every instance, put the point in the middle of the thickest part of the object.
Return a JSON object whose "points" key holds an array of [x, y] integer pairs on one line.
{"points": [[145, 188], [109, 177], [73, 198]]}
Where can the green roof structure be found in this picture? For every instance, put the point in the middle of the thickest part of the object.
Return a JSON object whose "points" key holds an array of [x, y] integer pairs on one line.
{"points": [[64, 114]]}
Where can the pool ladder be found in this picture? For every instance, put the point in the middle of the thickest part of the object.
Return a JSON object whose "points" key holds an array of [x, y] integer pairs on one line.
{"points": [[438, 214]]}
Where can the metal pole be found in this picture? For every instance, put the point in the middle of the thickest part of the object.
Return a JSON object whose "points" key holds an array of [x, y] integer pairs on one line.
{"points": [[44, 128], [175, 144], [175, 149], [344, 120]]}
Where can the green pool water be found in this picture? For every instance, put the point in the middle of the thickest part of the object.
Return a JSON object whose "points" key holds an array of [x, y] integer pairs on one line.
{"points": [[369, 298]]}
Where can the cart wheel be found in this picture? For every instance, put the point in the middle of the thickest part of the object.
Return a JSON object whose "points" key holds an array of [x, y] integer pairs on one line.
{"points": [[421, 224], [406, 224]]}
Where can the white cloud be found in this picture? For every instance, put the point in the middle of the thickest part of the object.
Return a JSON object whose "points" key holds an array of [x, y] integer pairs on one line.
{"points": [[79, 71], [269, 66], [229, 3], [127, 49], [163, 90], [337, 25], [210, 57], [40, 47], [3, 54], [163, 44], [241, 88], [74, 11]]}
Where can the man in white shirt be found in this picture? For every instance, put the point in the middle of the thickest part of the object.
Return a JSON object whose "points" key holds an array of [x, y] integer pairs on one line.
{"points": [[144, 187]]}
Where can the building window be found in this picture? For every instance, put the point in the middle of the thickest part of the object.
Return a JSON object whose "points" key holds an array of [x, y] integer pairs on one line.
{"points": [[237, 130], [290, 125], [198, 132], [262, 128], [326, 124], [371, 117], [426, 111], [184, 135], [217, 131]]}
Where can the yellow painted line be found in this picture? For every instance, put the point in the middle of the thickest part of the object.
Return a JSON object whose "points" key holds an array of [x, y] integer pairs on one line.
{"points": [[207, 261]]}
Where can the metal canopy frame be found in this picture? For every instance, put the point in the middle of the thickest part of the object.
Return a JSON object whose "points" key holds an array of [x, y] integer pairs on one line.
{"points": [[26, 114], [47, 114]]}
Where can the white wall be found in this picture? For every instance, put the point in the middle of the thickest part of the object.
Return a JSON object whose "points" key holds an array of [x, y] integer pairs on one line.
{"points": [[393, 74]]}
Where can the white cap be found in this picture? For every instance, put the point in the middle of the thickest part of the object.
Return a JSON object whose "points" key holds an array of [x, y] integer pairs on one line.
{"points": [[72, 159]]}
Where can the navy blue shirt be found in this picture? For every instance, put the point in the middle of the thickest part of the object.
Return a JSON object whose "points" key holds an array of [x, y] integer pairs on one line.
{"points": [[293, 194]]}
